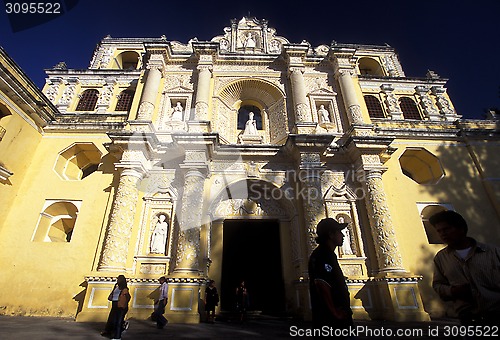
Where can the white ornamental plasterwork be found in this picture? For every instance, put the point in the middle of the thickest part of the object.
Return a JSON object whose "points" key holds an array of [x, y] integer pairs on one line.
{"points": [[120, 225], [303, 113], [106, 56], [157, 182], [315, 211], [389, 65], [316, 82], [180, 47], [52, 92], [188, 249], [156, 269], [68, 94], [223, 122], [201, 110], [322, 50], [278, 122], [352, 270], [331, 178], [248, 207], [370, 159], [392, 103], [382, 228], [175, 81], [444, 105], [428, 105], [310, 158], [245, 68], [195, 156], [145, 110], [105, 95], [228, 166], [355, 112]]}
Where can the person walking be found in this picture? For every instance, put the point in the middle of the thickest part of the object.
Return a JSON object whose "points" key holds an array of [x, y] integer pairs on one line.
{"points": [[466, 272], [161, 321], [330, 299], [119, 297], [211, 301]]}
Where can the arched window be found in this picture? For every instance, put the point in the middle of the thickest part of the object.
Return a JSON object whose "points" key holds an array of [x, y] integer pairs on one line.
{"points": [[124, 100], [127, 60], [243, 116], [57, 221], [430, 231], [369, 66], [374, 107], [409, 108], [88, 100]]}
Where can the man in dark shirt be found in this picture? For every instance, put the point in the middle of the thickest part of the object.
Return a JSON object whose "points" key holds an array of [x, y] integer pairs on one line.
{"points": [[329, 294]]}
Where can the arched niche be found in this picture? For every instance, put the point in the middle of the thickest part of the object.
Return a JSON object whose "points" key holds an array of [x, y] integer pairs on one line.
{"points": [[265, 96]]}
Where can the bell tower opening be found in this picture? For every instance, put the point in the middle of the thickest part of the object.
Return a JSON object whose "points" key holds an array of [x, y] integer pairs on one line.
{"points": [[252, 252]]}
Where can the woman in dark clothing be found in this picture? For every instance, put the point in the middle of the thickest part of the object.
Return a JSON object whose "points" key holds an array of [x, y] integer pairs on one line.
{"points": [[119, 298], [211, 300]]}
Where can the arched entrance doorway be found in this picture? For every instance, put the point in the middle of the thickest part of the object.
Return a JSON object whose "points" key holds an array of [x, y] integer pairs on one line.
{"points": [[254, 236], [252, 252]]}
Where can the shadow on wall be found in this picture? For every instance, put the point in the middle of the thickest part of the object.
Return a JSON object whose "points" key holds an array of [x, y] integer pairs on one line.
{"points": [[80, 297], [464, 189]]}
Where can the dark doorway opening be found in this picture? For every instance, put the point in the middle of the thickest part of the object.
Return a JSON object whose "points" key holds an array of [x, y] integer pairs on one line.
{"points": [[252, 252]]}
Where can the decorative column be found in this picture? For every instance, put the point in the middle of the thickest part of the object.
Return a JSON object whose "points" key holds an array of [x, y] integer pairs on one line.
{"points": [[314, 205], [391, 102], [203, 90], [150, 91], [344, 77], [444, 105], [116, 244], [426, 102], [344, 64], [386, 245], [188, 243], [302, 112], [295, 55]]}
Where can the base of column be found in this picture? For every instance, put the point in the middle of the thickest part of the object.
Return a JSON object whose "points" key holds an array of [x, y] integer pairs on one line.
{"points": [[400, 297], [184, 303], [306, 128], [199, 126], [141, 126]]}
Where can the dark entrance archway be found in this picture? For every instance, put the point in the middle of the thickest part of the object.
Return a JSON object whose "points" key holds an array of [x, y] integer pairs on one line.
{"points": [[252, 252]]}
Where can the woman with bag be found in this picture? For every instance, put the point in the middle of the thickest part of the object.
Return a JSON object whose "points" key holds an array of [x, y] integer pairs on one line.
{"points": [[119, 297]]}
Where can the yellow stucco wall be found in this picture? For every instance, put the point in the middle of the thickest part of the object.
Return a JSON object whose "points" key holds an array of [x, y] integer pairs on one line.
{"points": [[53, 272]]}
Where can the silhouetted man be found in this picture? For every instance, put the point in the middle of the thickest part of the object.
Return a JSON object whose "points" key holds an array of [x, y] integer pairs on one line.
{"points": [[466, 272], [329, 294]]}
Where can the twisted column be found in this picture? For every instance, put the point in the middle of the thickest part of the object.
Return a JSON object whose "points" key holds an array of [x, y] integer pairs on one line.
{"points": [[188, 242], [150, 92], [386, 245], [116, 243]]}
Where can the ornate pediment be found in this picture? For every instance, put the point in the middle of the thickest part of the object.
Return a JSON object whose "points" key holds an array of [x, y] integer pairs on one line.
{"points": [[250, 36], [323, 91]]}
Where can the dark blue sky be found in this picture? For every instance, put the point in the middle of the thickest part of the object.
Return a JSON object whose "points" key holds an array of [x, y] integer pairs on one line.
{"points": [[458, 40]]}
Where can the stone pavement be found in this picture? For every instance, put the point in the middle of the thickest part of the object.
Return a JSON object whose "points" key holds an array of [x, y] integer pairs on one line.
{"points": [[50, 328]]}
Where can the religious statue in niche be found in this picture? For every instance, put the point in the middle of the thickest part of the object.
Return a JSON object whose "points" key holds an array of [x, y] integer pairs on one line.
{"points": [[249, 41], [159, 237], [324, 115], [250, 126], [177, 114], [346, 245]]}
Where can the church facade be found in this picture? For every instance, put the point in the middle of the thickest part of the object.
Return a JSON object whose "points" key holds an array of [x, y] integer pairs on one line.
{"points": [[216, 160]]}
